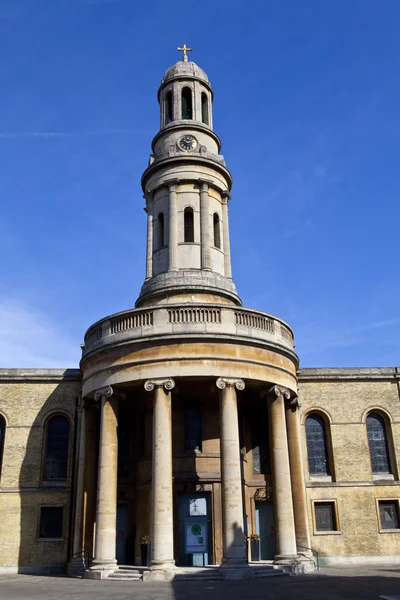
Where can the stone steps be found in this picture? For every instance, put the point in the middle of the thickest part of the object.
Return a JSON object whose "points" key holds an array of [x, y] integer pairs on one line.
{"points": [[127, 573], [187, 574]]}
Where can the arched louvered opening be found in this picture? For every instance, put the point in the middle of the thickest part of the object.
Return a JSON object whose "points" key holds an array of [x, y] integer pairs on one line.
{"points": [[187, 103], [2, 436], [378, 444], [188, 224], [168, 108], [56, 449], [204, 109], [160, 230], [317, 445], [217, 232]]}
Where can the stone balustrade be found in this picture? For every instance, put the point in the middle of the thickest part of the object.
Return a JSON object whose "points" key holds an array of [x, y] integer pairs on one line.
{"points": [[185, 321]]}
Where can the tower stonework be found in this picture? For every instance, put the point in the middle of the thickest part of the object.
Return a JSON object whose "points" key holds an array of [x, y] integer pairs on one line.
{"points": [[187, 190], [189, 358]]}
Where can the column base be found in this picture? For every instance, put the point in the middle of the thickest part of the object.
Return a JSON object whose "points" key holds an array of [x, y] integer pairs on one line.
{"points": [[236, 569], [101, 569], [306, 563], [160, 571]]}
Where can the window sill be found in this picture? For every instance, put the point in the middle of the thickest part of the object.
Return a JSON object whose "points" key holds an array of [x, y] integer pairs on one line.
{"points": [[327, 533], [389, 530], [55, 484], [383, 477], [320, 478]]}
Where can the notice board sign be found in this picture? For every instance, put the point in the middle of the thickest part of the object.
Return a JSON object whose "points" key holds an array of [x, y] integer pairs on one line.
{"points": [[196, 537]]}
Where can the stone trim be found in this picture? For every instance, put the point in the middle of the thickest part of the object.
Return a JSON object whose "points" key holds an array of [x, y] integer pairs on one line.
{"points": [[348, 373], [42, 375]]}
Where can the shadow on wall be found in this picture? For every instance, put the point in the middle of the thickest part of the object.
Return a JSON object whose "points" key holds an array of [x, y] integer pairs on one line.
{"points": [[46, 477]]}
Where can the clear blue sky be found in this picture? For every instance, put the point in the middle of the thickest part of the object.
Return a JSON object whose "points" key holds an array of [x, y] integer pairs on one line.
{"points": [[307, 97]]}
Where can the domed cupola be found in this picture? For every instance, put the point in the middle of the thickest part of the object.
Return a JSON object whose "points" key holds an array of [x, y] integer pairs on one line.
{"points": [[186, 187]]}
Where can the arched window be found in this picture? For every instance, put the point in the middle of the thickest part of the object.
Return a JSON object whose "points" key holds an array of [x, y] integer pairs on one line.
{"points": [[56, 449], [187, 107], [160, 238], [378, 444], [317, 446], [188, 225], [2, 436], [217, 234], [168, 108], [204, 109]]}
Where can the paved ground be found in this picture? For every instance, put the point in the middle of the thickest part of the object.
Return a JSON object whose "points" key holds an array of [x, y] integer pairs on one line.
{"points": [[328, 584]]}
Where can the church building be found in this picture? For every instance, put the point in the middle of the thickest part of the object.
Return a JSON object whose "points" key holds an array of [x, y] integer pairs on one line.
{"points": [[189, 436]]}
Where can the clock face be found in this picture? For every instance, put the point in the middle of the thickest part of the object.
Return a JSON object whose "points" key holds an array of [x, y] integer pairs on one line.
{"points": [[187, 142]]}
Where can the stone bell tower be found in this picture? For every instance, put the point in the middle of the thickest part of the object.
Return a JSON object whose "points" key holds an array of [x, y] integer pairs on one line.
{"points": [[186, 187]]}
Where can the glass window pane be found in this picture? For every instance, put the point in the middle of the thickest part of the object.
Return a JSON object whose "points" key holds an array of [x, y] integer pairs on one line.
{"points": [[51, 522], [389, 514], [193, 430], [378, 445], [2, 436], [317, 447], [57, 445], [325, 516]]}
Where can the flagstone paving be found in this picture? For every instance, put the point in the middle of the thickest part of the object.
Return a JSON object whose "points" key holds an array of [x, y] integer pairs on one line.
{"points": [[327, 584]]}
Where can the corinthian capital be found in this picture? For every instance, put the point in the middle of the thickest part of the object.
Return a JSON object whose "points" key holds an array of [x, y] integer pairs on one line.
{"points": [[168, 384], [223, 382]]}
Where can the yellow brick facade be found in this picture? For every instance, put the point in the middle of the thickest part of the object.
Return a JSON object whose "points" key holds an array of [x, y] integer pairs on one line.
{"points": [[343, 396], [346, 396], [27, 399]]}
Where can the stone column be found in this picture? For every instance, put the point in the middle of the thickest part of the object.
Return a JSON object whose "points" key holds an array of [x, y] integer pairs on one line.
{"points": [[78, 527], [149, 247], [172, 227], [106, 514], [283, 505], [162, 523], [234, 552], [303, 539], [225, 234], [205, 225]]}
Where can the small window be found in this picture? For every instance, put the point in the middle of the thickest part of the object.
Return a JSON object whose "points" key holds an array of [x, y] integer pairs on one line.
{"points": [[325, 516], [260, 443], [378, 444], [217, 234], [193, 430], [168, 108], [123, 448], [2, 436], [317, 447], [160, 239], [56, 449], [188, 225], [389, 514], [187, 110], [204, 109], [51, 522]]}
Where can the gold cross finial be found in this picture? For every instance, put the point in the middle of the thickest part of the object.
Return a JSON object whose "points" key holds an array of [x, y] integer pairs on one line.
{"points": [[185, 49]]}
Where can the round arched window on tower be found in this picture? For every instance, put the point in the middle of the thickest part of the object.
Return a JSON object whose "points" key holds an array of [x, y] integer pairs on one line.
{"points": [[187, 103], [204, 109]]}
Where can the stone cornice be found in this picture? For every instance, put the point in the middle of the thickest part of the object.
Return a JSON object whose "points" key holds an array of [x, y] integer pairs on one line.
{"points": [[348, 374], [39, 375]]}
